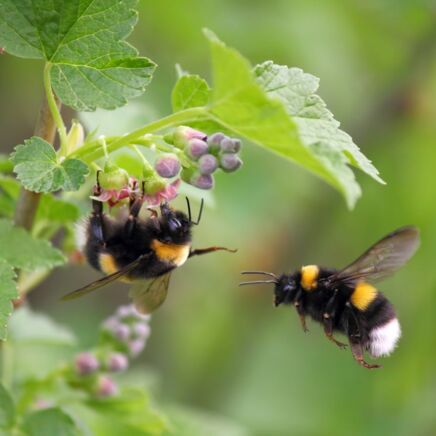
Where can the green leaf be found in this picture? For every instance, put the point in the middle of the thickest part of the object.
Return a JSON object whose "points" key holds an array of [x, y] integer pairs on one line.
{"points": [[190, 91], [50, 422], [240, 104], [22, 251], [56, 210], [92, 65], [297, 90], [127, 414], [8, 292], [9, 190], [27, 326], [5, 164], [39, 169], [7, 409]]}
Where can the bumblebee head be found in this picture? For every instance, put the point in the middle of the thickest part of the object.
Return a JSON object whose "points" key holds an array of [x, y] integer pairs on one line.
{"points": [[175, 226], [284, 286], [284, 289]]}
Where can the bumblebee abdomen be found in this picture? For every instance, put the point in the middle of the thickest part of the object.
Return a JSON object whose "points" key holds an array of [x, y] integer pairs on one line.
{"points": [[382, 327], [363, 295]]}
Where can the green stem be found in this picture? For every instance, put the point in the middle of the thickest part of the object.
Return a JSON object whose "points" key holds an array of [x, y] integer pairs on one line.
{"points": [[54, 109], [94, 151]]}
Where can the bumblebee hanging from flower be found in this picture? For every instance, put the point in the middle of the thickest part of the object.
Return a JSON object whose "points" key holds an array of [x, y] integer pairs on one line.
{"points": [[143, 252], [345, 300]]}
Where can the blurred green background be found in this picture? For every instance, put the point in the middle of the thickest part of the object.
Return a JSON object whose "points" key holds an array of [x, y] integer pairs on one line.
{"points": [[223, 350]]}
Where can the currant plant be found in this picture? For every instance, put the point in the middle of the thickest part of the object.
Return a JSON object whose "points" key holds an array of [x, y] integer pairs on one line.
{"points": [[87, 64]]}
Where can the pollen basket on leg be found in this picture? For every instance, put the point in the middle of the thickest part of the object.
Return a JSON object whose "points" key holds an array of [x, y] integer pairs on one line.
{"points": [[309, 277], [363, 295]]}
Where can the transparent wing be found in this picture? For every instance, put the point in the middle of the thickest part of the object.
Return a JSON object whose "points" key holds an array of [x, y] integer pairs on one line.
{"points": [[103, 281], [382, 259], [148, 295]]}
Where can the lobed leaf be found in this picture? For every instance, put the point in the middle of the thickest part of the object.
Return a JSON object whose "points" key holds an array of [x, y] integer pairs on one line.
{"points": [[39, 170], [245, 103], [8, 292], [24, 252], [190, 91], [92, 65]]}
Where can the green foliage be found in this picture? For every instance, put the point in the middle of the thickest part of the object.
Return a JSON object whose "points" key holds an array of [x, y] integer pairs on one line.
{"points": [[190, 91], [40, 170], [25, 252], [7, 410], [8, 292], [50, 422], [91, 64]]}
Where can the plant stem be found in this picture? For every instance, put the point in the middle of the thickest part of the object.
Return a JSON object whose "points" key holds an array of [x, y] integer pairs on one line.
{"points": [[55, 112], [94, 151], [28, 201]]}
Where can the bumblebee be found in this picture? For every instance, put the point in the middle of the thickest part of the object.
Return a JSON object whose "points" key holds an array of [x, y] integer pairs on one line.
{"points": [[345, 300], [142, 252]]}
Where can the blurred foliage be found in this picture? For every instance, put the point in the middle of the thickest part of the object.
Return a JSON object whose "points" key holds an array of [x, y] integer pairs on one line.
{"points": [[221, 350]]}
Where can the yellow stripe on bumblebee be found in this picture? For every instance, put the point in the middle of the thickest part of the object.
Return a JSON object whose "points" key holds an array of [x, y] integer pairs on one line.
{"points": [[363, 295], [309, 277]]}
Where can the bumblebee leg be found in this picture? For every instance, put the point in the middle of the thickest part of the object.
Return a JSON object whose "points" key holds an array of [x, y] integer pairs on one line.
{"points": [[327, 320], [200, 251], [328, 330], [96, 221], [355, 339], [299, 306], [134, 210]]}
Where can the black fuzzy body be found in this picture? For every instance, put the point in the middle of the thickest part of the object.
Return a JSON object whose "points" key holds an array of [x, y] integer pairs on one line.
{"points": [[125, 243]]}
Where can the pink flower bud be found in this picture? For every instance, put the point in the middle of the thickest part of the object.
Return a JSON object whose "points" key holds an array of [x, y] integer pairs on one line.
{"points": [[167, 166], [136, 346], [202, 181], [207, 164], [214, 141], [196, 148], [106, 387], [141, 330], [86, 363], [229, 145], [230, 162], [183, 134], [117, 362]]}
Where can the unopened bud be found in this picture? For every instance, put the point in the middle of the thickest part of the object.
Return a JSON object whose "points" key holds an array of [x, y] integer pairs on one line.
{"points": [[230, 162], [196, 148], [202, 181], [117, 362], [106, 387], [86, 363], [183, 134], [75, 137], [207, 164], [167, 166]]}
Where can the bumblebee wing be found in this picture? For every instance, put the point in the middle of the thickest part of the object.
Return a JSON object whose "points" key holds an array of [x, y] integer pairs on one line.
{"points": [[148, 295], [103, 281], [382, 259]]}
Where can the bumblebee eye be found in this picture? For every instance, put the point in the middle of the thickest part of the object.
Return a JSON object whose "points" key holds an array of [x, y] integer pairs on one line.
{"points": [[174, 224]]}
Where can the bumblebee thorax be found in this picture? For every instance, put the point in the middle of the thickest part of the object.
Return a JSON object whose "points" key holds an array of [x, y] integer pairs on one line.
{"points": [[309, 277]]}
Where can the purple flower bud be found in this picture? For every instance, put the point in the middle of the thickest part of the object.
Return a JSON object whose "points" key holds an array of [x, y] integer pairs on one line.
{"points": [[126, 311], [202, 181], [230, 162], [182, 135], [167, 166], [229, 145], [86, 363], [121, 332], [214, 141], [196, 148], [207, 164], [136, 346], [141, 330], [117, 362], [106, 387]]}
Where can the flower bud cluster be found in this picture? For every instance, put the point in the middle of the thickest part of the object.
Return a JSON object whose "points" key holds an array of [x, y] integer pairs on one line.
{"points": [[206, 154], [124, 336]]}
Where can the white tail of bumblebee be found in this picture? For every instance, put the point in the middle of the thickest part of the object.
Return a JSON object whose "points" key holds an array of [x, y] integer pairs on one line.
{"points": [[384, 338]]}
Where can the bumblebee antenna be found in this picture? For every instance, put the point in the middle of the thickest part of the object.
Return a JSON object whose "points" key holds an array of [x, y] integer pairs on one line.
{"points": [[257, 282], [189, 209], [199, 213], [265, 273]]}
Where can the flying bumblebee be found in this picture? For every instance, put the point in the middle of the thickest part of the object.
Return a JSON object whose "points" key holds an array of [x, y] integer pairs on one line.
{"points": [[139, 251], [345, 300]]}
